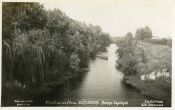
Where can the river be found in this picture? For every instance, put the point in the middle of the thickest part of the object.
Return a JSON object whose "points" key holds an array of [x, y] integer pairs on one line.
{"points": [[102, 83]]}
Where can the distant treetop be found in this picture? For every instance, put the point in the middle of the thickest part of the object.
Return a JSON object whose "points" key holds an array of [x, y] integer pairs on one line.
{"points": [[143, 33]]}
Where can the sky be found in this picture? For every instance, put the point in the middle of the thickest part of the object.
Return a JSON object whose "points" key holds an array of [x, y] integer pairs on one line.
{"points": [[117, 17]]}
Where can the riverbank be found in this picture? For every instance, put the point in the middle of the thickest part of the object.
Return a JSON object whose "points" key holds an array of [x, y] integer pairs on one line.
{"points": [[147, 87], [146, 66], [66, 77], [20, 92], [150, 88]]}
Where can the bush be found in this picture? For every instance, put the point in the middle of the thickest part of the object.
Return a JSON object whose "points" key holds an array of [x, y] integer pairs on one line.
{"points": [[127, 59], [41, 46], [143, 33]]}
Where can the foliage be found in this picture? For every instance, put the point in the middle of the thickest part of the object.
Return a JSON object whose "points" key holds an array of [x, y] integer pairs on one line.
{"points": [[143, 33], [162, 41], [74, 62], [42, 46], [144, 57], [21, 17], [127, 58]]}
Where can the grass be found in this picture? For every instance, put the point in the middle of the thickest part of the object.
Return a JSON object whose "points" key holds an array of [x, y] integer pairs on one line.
{"points": [[156, 53], [158, 56], [158, 89]]}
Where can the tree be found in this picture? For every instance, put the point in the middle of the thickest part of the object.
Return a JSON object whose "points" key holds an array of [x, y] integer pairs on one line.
{"points": [[21, 17], [74, 62], [42, 46], [143, 33], [129, 35]]}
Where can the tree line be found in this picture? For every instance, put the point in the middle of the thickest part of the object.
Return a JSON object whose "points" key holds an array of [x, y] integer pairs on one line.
{"points": [[132, 55], [40, 45], [143, 56]]}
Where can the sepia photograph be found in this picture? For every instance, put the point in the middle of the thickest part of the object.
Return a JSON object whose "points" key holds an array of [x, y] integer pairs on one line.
{"points": [[86, 53]]}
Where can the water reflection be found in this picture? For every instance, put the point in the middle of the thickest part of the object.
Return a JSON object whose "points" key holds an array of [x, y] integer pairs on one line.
{"points": [[102, 82]]}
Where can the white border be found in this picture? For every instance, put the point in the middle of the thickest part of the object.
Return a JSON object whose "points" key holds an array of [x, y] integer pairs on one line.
{"points": [[94, 108]]}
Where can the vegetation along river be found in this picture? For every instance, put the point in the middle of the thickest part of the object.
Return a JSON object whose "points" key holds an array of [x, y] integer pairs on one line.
{"points": [[103, 83]]}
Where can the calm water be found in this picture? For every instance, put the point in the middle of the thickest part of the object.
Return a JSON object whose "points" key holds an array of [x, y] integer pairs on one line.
{"points": [[102, 83]]}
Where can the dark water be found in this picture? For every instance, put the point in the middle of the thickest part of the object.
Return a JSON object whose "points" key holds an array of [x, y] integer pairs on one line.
{"points": [[102, 83]]}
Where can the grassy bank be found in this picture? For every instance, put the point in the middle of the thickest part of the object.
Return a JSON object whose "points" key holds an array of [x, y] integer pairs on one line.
{"points": [[150, 88], [139, 58]]}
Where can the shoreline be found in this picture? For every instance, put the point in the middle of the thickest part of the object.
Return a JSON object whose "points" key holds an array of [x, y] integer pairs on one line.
{"points": [[148, 89], [32, 92], [46, 87]]}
